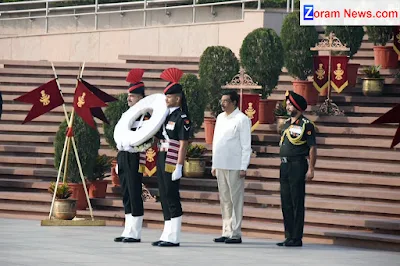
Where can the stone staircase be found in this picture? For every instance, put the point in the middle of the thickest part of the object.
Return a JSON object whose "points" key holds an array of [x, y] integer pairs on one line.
{"points": [[353, 200]]}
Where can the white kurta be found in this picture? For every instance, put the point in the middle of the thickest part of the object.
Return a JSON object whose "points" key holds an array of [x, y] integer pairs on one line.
{"points": [[232, 141], [231, 153]]}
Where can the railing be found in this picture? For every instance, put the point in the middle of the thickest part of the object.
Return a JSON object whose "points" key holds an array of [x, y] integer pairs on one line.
{"points": [[29, 9]]}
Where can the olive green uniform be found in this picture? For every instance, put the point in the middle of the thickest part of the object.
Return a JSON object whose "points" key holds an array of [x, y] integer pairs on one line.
{"points": [[296, 140]]}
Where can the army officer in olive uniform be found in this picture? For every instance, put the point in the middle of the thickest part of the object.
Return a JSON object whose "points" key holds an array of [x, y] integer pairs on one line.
{"points": [[297, 143]]}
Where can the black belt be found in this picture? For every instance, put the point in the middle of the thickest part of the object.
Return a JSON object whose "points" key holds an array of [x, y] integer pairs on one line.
{"points": [[292, 159]]}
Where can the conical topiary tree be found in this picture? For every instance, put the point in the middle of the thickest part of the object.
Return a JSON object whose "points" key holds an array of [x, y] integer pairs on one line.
{"points": [[87, 142], [218, 65], [113, 112], [351, 36], [196, 101], [261, 55], [297, 41]]}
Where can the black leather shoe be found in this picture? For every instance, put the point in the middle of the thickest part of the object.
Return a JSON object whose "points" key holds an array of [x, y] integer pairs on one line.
{"points": [[233, 241], [168, 244], [156, 243], [130, 240], [281, 244], [119, 239], [294, 243], [220, 239]]}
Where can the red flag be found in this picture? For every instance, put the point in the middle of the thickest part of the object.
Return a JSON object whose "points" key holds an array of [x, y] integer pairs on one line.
{"points": [[396, 39], [250, 107], [96, 111], [44, 99], [392, 116], [321, 68], [151, 161], [84, 100], [339, 79]]}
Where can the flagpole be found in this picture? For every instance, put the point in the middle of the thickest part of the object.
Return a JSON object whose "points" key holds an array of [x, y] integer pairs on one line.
{"points": [[59, 88], [76, 154], [65, 151]]}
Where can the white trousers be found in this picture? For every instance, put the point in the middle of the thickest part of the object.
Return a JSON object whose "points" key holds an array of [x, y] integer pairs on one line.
{"points": [[231, 193]]}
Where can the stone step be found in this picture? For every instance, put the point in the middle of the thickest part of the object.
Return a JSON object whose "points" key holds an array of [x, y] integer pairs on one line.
{"points": [[94, 65], [68, 84], [313, 189], [360, 110], [381, 224], [270, 201], [367, 236], [351, 99], [159, 59], [329, 221], [63, 74]]}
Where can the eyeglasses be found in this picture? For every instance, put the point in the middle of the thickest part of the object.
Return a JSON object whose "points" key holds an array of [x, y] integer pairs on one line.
{"points": [[224, 101]]}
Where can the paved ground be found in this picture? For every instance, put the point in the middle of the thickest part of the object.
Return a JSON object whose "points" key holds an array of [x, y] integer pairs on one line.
{"points": [[27, 243]]}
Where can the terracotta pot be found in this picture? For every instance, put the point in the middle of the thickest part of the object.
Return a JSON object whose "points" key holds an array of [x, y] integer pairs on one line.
{"points": [[386, 57], [98, 189], [352, 72], [64, 209], [114, 176], [306, 89], [78, 193], [209, 126], [266, 111]]}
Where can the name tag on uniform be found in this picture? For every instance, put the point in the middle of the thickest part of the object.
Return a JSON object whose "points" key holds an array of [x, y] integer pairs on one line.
{"points": [[170, 125], [295, 130]]}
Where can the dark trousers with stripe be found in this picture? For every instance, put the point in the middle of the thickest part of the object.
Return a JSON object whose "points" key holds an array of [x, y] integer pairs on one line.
{"points": [[131, 182], [293, 186], [168, 189]]}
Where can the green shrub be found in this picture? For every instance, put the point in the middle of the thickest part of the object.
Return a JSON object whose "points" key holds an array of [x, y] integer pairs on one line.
{"points": [[351, 36], [196, 101], [87, 141], [380, 35], [297, 41], [261, 57], [218, 65], [101, 167], [113, 112]]}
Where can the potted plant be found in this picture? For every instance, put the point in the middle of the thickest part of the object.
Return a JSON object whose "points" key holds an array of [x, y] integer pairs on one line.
{"points": [[64, 207], [98, 186], [261, 57], [87, 141], [281, 115], [195, 164], [372, 84], [352, 37], [113, 112], [384, 55], [218, 65], [297, 41], [196, 100]]}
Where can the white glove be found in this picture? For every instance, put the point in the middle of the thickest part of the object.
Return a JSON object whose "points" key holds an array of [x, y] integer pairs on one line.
{"points": [[177, 174], [116, 169]]}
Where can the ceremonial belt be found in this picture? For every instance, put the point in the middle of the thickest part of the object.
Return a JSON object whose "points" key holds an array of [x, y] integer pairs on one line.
{"points": [[172, 152], [292, 159]]}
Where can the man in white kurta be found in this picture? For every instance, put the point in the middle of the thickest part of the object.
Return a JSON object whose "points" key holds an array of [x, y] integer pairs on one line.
{"points": [[230, 158]]}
